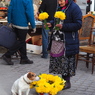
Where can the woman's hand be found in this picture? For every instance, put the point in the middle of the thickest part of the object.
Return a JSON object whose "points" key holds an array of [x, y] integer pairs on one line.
{"points": [[48, 24], [59, 26]]}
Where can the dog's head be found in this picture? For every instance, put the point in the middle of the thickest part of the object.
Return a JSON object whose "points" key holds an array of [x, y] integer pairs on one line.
{"points": [[32, 76]]}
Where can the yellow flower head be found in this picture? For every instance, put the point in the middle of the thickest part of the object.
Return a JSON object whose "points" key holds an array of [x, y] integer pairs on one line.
{"points": [[59, 14], [32, 85], [49, 84], [43, 16]]}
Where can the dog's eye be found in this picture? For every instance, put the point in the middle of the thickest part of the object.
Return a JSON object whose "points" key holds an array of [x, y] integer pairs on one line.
{"points": [[32, 75]]}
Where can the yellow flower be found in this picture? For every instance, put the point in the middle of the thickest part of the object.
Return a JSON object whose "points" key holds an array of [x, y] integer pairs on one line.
{"points": [[59, 14], [32, 85], [49, 84], [43, 16]]}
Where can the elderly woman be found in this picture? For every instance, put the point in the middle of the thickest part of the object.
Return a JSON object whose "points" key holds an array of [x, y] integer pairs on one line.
{"points": [[63, 51]]}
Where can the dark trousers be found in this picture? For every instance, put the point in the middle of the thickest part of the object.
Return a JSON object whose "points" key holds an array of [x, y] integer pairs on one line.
{"points": [[19, 45]]}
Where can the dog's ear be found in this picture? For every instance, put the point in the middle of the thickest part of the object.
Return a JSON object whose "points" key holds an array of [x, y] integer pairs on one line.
{"points": [[29, 75]]}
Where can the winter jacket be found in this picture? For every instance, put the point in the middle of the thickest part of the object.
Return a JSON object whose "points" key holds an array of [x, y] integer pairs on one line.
{"points": [[71, 25], [21, 12]]}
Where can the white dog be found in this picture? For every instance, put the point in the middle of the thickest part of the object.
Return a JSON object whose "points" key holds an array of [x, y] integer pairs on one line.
{"points": [[22, 85]]}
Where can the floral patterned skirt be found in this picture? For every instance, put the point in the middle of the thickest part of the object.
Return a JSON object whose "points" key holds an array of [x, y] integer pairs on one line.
{"points": [[62, 65]]}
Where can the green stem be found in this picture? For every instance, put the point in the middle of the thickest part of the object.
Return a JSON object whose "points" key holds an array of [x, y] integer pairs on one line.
{"points": [[57, 22], [45, 22]]}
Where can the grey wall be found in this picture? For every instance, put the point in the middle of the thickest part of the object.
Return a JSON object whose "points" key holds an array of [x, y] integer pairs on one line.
{"points": [[82, 4]]}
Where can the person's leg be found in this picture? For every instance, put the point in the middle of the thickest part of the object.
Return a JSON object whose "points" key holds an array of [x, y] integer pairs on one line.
{"points": [[70, 70], [20, 45], [44, 43], [22, 49], [11, 51], [68, 83]]}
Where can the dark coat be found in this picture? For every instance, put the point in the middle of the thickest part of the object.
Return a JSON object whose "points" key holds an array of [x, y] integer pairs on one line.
{"points": [[71, 25], [48, 6]]}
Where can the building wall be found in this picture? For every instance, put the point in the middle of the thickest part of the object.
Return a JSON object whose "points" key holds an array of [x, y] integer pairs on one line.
{"points": [[92, 5], [82, 4]]}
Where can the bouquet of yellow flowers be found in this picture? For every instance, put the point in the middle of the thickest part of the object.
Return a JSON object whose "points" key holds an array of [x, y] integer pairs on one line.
{"points": [[59, 15], [43, 16], [48, 84]]}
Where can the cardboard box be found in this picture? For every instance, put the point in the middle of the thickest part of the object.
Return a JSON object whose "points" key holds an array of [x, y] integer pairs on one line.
{"points": [[34, 44], [34, 49], [37, 40]]}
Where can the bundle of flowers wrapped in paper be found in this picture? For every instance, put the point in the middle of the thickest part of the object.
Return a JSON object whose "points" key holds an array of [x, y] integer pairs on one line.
{"points": [[43, 16], [48, 84]]}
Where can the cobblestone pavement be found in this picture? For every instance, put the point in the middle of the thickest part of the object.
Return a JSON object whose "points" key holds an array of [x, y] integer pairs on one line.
{"points": [[82, 84]]}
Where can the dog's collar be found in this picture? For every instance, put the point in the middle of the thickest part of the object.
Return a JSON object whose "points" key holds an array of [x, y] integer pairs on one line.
{"points": [[26, 81]]}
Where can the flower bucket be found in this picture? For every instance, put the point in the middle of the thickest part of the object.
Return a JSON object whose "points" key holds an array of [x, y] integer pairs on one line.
{"points": [[44, 94]]}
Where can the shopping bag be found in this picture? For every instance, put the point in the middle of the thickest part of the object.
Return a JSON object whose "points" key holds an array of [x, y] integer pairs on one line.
{"points": [[7, 36]]}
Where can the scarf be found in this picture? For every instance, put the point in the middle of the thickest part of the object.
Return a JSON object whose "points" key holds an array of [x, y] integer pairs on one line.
{"points": [[64, 7]]}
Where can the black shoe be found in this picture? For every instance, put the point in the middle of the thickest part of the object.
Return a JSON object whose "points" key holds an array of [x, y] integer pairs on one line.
{"points": [[8, 60], [26, 61], [67, 85], [44, 57]]}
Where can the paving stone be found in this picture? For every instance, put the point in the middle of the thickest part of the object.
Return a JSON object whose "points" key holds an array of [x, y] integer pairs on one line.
{"points": [[83, 83]]}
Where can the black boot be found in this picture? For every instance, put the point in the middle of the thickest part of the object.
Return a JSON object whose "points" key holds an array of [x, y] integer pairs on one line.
{"points": [[67, 83], [26, 61], [7, 60]]}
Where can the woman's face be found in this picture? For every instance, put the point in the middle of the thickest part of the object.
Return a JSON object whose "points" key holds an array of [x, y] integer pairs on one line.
{"points": [[61, 3]]}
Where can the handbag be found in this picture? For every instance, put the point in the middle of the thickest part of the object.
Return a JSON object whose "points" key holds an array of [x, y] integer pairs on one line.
{"points": [[7, 36], [57, 48], [56, 35], [57, 43]]}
